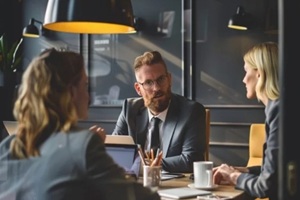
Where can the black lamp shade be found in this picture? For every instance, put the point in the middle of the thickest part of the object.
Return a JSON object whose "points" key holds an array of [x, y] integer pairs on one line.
{"points": [[31, 31], [240, 20], [89, 16]]}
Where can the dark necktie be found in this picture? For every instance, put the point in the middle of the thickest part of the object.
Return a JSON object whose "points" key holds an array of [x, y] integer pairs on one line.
{"points": [[154, 133]]}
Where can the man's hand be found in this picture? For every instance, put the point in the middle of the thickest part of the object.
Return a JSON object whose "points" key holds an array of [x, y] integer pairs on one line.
{"points": [[99, 131]]}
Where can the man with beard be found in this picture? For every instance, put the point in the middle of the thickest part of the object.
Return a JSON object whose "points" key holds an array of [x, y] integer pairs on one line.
{"points": [[182, 121]]}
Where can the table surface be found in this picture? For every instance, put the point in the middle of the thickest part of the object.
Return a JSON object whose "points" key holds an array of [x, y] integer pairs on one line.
{"points": [[221, 190]]}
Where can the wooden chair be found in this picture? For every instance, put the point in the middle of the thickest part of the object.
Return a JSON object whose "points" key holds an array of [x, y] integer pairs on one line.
{"points": [[207, 132], [257, 137]]}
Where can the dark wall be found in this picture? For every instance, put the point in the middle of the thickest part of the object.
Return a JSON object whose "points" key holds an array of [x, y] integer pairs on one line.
{"points": [[219, 53], [214, 57], [10, 25], [10, 18]]}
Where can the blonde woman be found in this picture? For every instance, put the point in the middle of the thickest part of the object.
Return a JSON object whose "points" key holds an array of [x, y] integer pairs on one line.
{"points": [[50, 157], [262, 82]]}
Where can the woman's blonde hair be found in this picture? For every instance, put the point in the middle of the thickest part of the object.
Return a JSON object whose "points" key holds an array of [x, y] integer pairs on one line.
{"points": [[44, 104], [264, 58]]}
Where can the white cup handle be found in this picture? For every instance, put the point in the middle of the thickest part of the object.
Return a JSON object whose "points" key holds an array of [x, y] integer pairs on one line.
{"points": [[209, 178]]}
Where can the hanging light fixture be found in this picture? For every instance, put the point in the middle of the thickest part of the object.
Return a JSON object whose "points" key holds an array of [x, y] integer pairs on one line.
{"points": [[31, 30], [90, 16], [240, 20]]}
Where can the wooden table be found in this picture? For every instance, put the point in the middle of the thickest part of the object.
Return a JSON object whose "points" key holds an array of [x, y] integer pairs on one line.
{"points": [[221, 190]]}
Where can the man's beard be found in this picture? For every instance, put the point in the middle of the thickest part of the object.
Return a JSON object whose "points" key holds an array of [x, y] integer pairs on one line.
{"points": [[158, 105]]}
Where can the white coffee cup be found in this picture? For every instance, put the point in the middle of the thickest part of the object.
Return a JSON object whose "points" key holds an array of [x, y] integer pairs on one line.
{"points": [[203, 174]]}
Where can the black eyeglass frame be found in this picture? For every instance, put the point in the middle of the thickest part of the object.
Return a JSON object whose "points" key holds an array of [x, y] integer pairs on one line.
{"points": [[149, 84]]}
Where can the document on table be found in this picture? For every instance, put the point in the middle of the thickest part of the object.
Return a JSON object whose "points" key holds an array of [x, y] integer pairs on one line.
{"points": [[213, 197], [168, 175], [182, 192]]}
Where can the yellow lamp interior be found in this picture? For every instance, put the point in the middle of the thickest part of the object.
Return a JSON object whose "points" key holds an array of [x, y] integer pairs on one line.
{"points": [[237, 27], [30, 35], [89, 27]]}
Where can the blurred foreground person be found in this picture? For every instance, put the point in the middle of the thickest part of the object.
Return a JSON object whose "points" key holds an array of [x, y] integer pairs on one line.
{"points": [[50, 157]]}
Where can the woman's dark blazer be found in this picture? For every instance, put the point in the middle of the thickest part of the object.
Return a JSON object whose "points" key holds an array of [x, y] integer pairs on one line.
{"points": [[71, 166], [265, 183]]}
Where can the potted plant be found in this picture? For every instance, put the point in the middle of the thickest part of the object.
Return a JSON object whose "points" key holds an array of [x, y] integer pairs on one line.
{"points": [[9, 59]]}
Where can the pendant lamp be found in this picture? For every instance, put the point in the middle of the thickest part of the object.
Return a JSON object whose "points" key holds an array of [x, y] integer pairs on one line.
{"points": [[31, 30], [90, 16], [240, 20]]}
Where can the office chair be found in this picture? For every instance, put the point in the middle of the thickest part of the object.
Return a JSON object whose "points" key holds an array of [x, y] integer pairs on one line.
{"points": [[257, 137]]}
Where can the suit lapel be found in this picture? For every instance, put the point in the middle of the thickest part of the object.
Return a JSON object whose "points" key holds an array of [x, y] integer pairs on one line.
{"points": [[142, 126], [170, 125]]}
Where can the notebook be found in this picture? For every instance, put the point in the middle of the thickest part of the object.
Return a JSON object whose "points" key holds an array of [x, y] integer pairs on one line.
{"points": [[182, 193], [126, 156], [168, 175]]}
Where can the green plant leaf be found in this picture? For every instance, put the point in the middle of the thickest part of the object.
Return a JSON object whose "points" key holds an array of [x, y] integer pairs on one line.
{"points": [[9, 60]]}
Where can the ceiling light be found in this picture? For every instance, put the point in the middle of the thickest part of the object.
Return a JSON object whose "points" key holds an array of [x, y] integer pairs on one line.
{"points": [[31, 30], [240, 20], [90, 16]]}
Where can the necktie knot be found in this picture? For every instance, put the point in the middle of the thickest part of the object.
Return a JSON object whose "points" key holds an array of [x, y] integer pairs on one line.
{"points": [[155, 121]]}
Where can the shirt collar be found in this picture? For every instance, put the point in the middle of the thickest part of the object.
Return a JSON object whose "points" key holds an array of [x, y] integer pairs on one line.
{"points": [[161, 116]]}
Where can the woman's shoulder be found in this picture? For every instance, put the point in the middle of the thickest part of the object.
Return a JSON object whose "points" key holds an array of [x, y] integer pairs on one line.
{"points": [[76, 140], [82, 137], [78, 133], [5, 144], [273, 103], [272, 109]]}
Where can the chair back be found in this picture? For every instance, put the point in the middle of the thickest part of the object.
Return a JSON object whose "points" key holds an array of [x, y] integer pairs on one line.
{"points": [[256, 141], [257, 137], [207, 133]]}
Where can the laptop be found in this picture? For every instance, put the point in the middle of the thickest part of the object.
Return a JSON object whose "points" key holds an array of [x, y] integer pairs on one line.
{"points": [[119, 139], [125, 155], [124, 152], [10, 126]]}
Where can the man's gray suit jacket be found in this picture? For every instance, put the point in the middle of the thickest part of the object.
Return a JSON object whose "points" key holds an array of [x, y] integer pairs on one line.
{"points": [[184, 136]]}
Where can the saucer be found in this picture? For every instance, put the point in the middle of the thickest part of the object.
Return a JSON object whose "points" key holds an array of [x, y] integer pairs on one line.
{"points": [[203, 188]]}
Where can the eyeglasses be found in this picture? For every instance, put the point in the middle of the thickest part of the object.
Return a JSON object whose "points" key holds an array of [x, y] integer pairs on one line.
{"points": [[149, 84]]}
